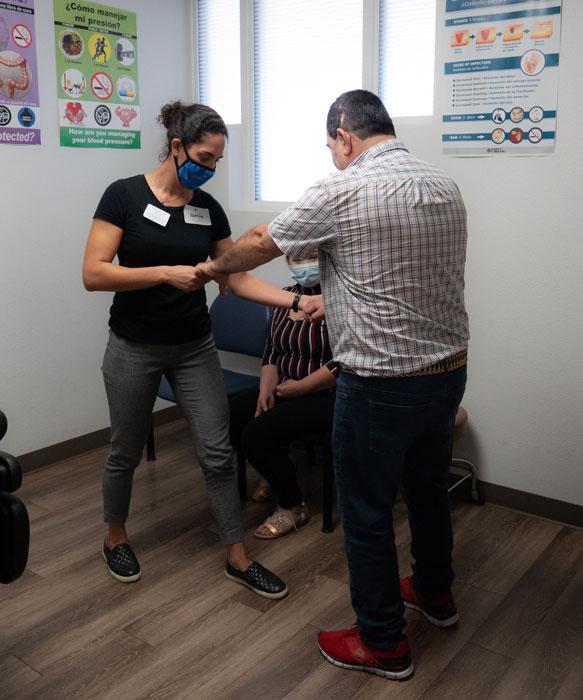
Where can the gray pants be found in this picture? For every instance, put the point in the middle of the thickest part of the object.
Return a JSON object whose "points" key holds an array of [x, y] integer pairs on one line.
{"points": [[132, 373]]}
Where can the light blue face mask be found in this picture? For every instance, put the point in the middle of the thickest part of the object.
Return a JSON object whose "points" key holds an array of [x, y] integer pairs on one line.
{"points": [[192, 174], [307, 275]]}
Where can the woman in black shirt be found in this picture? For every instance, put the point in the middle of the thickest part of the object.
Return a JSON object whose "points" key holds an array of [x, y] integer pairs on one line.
{"points": [[160, 225]]}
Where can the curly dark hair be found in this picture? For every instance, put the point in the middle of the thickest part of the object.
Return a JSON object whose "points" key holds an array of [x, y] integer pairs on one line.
{"points": [[189, 123]]}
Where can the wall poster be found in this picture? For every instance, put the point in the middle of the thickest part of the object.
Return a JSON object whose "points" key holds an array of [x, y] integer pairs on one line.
{"points": [[97, 75], [19, 103], [501, 76]]}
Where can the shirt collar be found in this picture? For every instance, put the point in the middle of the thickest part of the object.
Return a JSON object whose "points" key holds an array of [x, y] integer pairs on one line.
{"points": [[379, 149]]}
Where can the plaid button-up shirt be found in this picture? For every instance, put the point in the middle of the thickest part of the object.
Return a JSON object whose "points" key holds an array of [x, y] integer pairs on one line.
{"points": [[391, 235]]}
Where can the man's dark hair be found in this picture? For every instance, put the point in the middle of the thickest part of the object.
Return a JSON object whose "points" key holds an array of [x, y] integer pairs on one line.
{"points": [[360, 112]]}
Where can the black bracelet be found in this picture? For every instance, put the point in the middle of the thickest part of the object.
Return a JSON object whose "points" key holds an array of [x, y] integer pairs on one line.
{"points": [[296, 301]]}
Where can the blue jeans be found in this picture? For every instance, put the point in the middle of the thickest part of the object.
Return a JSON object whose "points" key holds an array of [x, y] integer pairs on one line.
{"points": [[390, 434]]}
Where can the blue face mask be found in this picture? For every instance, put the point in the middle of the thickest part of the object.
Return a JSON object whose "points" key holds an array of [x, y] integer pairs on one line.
{"points": [[307, 275], [192, 174]]}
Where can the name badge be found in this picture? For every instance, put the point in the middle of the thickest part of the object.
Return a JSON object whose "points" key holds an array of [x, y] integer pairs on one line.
{"points": [[157, 215], [196, 215]]}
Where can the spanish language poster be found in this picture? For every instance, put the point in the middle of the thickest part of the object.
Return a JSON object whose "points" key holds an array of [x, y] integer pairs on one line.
{"points": [[501, 71], [97, 75], [19, 103]]}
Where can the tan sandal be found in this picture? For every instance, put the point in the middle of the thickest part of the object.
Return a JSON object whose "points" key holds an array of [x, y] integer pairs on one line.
{"points": [[281, 522], [262, 493]]}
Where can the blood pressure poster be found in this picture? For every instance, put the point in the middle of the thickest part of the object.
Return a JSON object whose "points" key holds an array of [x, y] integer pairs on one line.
{"points": [[97, 75], [501, 73], [19, 103]]}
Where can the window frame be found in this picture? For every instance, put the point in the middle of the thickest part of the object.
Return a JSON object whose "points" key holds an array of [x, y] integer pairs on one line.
{"points": [[242, 136]]}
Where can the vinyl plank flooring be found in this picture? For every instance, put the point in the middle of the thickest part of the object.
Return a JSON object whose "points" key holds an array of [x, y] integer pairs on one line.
{"points": [[521, 612], [553, 652], [78, 676], [28, 582], [249, 650], [327, 682], [204, 664], [283, 667], [473, 673], [175, 663], [68, 630], [572, 686], [16, 677], [501, 547], [35, 511], [110, 607]]}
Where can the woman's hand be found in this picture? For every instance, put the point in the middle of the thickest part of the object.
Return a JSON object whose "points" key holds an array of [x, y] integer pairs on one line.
{"points": [[265, 401], [290, 389], [267, 387], [185, 277], [206, 273]]}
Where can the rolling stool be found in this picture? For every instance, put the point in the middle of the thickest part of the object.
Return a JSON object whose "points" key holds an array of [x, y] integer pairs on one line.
{"points": [[468, 469]]}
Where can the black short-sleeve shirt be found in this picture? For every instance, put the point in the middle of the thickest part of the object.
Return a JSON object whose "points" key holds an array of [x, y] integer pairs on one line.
{"points": [[160, 314]]}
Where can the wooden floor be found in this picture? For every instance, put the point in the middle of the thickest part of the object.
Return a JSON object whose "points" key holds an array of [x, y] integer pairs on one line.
{"points": [[68, 630]]}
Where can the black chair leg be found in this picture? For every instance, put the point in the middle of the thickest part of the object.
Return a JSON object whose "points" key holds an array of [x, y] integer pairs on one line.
{"points": [[242, 475], [150, 444], [327, 489]]}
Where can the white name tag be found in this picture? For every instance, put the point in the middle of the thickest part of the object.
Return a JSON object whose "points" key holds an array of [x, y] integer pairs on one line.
{"points": [[154, 214], [196, 215]]}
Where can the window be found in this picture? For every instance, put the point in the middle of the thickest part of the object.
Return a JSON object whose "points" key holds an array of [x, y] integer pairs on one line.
{"points": [[219, 57], [407, 56], [306, 53], [297, 57]]}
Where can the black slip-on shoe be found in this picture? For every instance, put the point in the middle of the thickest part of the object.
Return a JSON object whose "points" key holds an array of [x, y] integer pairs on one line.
{"points": [[122, 563], [259, 579]]}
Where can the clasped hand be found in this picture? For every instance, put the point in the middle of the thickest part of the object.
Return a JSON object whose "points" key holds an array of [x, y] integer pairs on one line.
{"points": [[313, 307], [189, 278]]}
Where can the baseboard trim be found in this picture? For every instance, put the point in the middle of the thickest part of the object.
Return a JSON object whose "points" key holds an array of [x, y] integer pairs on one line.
{"points": [[541, 506], [84, 443]]}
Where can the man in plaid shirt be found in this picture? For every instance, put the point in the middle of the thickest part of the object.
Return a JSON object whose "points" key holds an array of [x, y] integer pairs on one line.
{"points": [[391, 235]]}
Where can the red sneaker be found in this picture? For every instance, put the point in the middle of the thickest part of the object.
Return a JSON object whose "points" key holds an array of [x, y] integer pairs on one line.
{"points": [[439, 610], [346, 649]]}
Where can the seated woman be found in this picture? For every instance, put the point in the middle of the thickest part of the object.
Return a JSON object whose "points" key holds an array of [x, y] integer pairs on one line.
{"points": [[295, 400]]}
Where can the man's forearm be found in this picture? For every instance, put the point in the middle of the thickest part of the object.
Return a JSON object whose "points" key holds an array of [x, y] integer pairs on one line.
{"points": [[254, 248]]}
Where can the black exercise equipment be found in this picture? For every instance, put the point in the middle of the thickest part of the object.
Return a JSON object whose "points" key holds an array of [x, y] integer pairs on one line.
{"points": [[14, 525]]}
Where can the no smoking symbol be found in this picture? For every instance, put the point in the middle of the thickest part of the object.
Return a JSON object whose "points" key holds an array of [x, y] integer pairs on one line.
{"points": [[21, 35], [101, 85]]}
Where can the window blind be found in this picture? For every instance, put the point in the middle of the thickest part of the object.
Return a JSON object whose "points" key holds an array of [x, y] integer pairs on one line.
{"points": [[219, 57], [306, 53], [407, 56]]}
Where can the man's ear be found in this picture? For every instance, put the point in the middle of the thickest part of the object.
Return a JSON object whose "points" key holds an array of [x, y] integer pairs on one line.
{"points": [[345, 139]]}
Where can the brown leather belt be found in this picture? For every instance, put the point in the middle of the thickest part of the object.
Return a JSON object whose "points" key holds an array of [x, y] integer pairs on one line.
{"points": [[447, 365]]}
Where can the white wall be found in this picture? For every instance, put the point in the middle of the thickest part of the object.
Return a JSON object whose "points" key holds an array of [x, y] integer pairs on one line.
{"points": [[524, 293], [53, 332]]}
